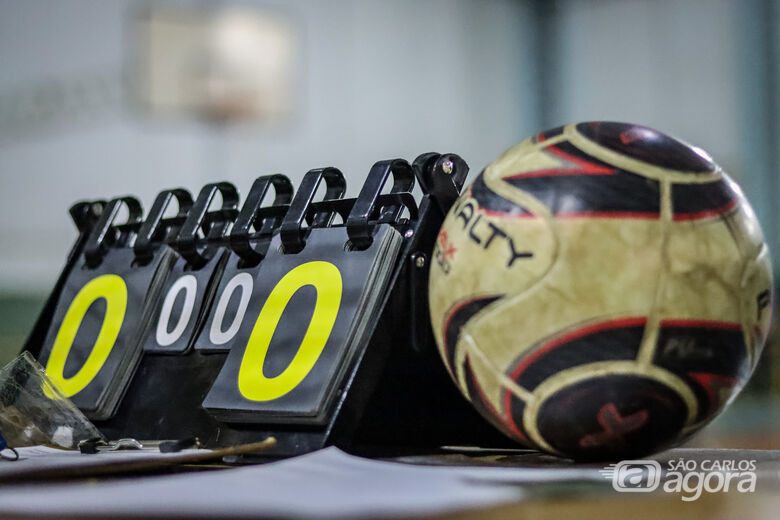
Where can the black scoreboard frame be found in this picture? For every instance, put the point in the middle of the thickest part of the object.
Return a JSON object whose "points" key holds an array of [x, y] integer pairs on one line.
{"points": [[397, 396]]}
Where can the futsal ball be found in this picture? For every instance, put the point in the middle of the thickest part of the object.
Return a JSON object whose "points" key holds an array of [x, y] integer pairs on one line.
{"points": [[600, 291]]}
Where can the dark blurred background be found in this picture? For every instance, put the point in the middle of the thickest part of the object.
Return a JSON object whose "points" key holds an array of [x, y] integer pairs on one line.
{"points": [[100, 98]]}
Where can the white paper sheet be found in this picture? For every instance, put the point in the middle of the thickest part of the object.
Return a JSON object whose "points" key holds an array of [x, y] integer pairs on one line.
{"points": [[325, 484]]}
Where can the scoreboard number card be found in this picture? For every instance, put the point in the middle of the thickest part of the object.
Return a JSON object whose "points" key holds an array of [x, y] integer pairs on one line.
{"points": [[287, 356], [92, 348], [311, 298], [189, 285]]}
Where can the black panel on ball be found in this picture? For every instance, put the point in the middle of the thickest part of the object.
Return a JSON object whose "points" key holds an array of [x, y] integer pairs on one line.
{"points": [[647, 145], [612, 417]]}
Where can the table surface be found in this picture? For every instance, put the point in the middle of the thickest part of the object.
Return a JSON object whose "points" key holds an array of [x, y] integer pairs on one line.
{"points": [[332, 484]]}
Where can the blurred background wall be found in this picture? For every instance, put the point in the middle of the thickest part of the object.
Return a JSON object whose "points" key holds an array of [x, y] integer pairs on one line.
{"points": [[368, 80]]}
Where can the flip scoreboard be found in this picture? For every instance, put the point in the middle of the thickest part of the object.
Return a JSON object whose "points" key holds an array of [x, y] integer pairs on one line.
{"points": [[286, 315]]}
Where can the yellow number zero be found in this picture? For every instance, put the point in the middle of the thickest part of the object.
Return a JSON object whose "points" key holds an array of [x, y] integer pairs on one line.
{"points": [[326, 279]]}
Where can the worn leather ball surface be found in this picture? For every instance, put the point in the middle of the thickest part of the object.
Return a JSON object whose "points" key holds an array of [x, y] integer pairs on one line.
{"points": [[601, 291]]}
